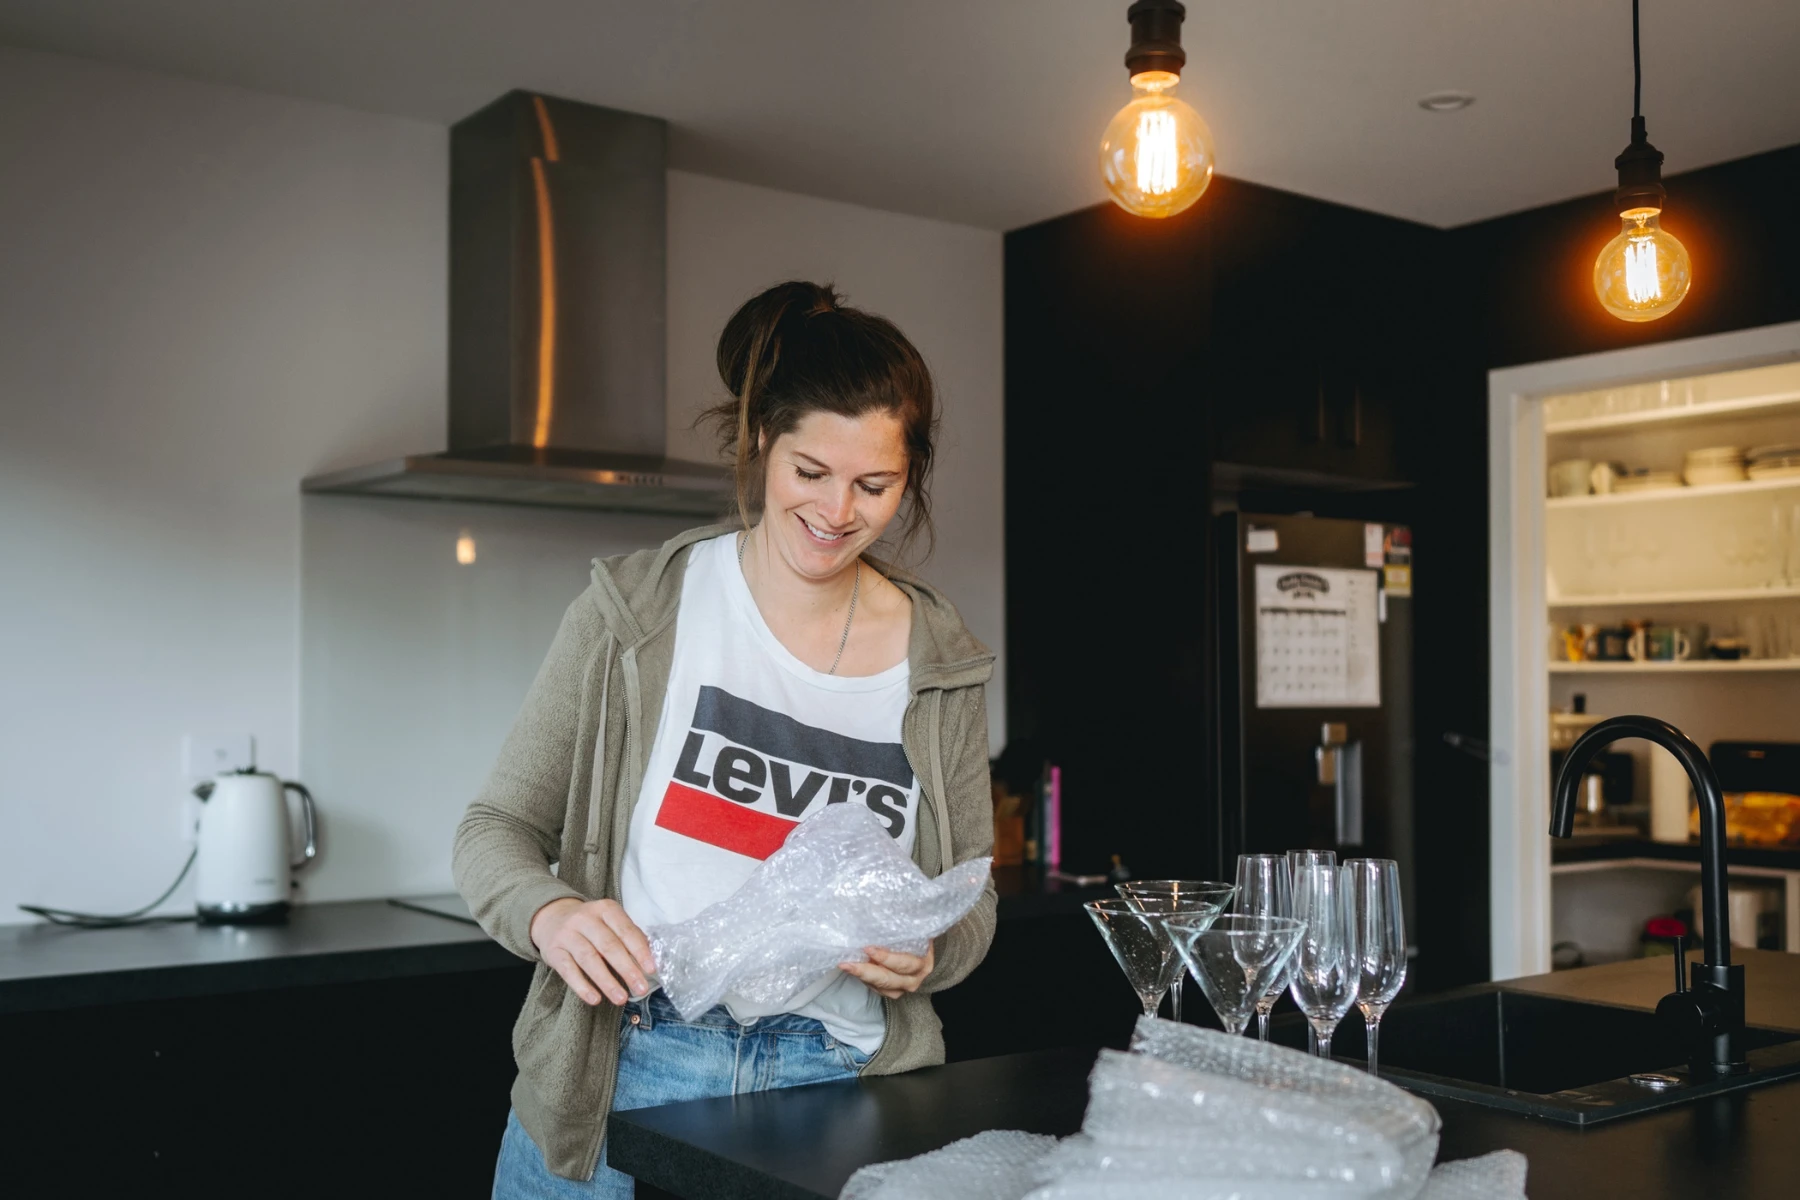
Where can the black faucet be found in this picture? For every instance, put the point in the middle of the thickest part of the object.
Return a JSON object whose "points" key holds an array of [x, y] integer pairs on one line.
{"points": [[1709, 1015]]}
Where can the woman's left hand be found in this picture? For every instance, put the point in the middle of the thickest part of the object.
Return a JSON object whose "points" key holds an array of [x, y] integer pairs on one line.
{"points": [[892, 973]]}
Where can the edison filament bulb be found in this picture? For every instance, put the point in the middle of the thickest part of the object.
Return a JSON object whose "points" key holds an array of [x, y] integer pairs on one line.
{"points": [[1156, 157], [1643, 273]]}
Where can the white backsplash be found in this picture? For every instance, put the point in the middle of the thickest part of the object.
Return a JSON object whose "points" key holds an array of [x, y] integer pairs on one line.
{"points": [[412, 666]]}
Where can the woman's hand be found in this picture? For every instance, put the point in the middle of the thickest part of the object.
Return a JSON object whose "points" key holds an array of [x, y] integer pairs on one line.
{"points": [[595, 947], [891, 973]]}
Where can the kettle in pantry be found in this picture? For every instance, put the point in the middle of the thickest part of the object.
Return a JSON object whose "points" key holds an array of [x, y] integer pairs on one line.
{"points": [[245, 861]]}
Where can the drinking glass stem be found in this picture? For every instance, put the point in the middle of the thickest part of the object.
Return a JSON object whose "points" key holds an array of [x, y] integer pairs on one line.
{"points": [[1175, 1001], [1262, 1024], [1374, 1024], [1322, 1042]]}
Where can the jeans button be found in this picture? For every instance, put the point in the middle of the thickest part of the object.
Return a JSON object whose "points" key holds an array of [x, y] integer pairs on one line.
{"points": [[830, 1045], [635, 1019]]}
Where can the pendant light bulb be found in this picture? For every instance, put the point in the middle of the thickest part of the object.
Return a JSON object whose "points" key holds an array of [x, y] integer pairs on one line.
{"points": [[1156, 156], [1643, 273]]}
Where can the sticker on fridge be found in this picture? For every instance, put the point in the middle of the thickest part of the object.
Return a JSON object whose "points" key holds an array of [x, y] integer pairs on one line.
{"points": [[1318, 641]]}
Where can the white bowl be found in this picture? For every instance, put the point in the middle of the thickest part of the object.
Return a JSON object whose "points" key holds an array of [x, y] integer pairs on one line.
{"points": [[1701, 476]]}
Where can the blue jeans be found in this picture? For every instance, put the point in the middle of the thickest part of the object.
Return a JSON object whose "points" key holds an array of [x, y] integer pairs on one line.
{"points": [[663, 1059]]}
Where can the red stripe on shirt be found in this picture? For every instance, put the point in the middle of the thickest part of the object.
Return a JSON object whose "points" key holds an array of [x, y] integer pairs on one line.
{"points": [[706, 818]]}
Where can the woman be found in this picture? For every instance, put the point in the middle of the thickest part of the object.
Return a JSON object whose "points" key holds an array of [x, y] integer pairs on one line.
{"points": [[698, 701]]}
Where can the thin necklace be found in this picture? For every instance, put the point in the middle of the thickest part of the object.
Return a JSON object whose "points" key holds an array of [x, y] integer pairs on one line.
{"points": [[855, 587]]}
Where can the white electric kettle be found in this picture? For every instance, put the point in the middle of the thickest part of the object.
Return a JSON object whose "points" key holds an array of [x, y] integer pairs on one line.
{"points": [[245, 864]]}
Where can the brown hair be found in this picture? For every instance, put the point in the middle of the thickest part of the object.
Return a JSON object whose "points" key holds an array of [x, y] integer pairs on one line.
{"points": [[798, 349]]}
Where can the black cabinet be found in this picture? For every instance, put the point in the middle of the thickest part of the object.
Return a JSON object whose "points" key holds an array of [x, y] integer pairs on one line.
{"points": [[1154, 370], [388, 1087], [1314, 332]]}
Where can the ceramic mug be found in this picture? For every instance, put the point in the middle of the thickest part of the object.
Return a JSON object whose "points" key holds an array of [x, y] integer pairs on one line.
{"points": [[1667, 643], [1570, 478], [1581, 642], [1616, 643], [1603, 476]]}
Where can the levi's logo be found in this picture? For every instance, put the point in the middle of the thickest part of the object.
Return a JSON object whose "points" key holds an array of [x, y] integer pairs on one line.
{"points": [[746, 775]]}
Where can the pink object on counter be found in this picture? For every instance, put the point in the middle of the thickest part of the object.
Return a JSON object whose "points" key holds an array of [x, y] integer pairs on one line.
{"points": [[1053, 836]]}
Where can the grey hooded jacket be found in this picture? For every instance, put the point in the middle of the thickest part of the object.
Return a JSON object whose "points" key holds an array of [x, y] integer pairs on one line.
{"points": [[569, 775]]}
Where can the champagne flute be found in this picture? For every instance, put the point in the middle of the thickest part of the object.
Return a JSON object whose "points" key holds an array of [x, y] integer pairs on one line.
{"points": [[1264, 890], [1326, 970], [1298, 860], [1180, 895], [1374, 895]]}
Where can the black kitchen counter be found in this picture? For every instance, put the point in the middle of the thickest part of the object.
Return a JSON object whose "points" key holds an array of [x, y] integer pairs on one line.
{"points": [[803, 1143], [47, 967], [1598, 849]]}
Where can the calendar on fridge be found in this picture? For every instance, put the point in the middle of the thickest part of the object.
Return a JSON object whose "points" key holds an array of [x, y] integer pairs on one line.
{"points": [[1317, 637]]}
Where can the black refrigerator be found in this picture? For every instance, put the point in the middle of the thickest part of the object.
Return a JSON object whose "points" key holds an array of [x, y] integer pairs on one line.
{"points": [[1315, 711]]}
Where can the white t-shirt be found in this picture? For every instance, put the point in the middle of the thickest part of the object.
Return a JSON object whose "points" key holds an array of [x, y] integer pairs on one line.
{"points": [[750, 742]]}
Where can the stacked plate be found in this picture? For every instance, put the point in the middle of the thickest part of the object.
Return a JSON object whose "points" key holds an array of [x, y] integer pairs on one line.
{"points": [[1714, 464], [1775, 462]]}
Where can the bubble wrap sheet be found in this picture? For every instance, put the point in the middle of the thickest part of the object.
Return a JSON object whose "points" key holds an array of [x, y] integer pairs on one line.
{"points": [[1231, 1117], [996, 1165], [1496, 1176], [1192, 1114], [839, 883]]}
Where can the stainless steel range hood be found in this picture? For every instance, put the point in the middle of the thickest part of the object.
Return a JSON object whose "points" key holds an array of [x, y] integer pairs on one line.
{"points": [[557, 339]]}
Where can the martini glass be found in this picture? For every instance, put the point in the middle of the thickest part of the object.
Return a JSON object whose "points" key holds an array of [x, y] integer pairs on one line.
{"points": [[1137, 940], [1233, 958], [1178, 895]]}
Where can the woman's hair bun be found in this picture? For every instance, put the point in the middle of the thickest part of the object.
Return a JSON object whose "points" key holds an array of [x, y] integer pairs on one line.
{"points": [[796, 349]]}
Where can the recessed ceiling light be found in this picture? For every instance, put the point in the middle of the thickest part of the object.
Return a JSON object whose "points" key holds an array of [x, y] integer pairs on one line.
{"points": [[1446, 101]]}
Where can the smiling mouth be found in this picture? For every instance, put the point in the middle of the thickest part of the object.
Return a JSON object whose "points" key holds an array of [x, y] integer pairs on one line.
{"points": [[820, 534]]}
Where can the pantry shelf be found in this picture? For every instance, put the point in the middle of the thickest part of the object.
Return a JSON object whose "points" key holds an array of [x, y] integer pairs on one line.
{"points": [[1558, 504], [1773, 402], [1696, 597], [1690, 667]]}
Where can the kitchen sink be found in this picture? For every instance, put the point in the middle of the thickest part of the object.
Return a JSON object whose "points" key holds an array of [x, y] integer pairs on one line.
{"points": [[1566, 1060]]}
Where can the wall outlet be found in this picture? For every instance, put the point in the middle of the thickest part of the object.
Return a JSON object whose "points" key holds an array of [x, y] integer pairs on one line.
{"points": [[206, 755]]}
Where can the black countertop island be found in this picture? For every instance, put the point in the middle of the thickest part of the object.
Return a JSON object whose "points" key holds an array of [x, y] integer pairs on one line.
{"points": [[803, 1143]]}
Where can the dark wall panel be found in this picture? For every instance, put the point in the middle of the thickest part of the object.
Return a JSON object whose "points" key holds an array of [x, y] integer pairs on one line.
{"points": [[1138, 350], [1537, 297]]}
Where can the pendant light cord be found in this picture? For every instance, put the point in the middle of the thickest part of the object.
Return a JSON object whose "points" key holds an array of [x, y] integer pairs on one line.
{"points": [[1637, 66]]}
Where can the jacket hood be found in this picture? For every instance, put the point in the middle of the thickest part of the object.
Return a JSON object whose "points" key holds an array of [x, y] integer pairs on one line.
{"points": [[637, 593]]}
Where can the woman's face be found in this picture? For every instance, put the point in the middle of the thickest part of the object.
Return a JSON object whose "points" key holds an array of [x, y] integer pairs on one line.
{"points": [[830, 488]]}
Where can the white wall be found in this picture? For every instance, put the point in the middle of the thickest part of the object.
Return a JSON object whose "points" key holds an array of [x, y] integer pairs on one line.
{"points": [[207, 294], [204, 294]]}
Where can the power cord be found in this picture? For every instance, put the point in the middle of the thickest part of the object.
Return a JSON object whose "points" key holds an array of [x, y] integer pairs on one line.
{"points": [[62, 916]]}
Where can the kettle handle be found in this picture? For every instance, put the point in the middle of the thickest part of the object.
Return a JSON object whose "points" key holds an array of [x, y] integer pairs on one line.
{"points": [[309, 819]]}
